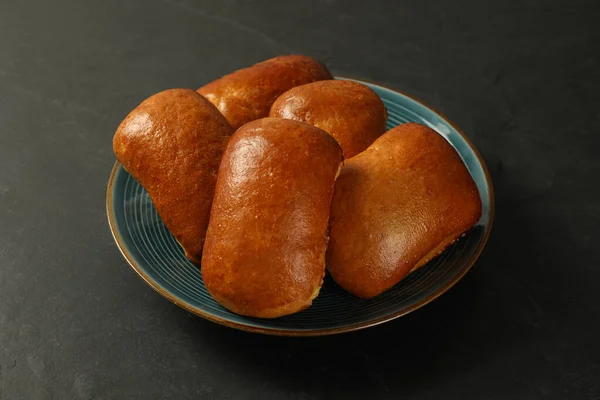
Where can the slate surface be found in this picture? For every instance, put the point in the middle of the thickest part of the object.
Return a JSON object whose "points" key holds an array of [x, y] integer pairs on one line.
{"points": [[522, 78]]}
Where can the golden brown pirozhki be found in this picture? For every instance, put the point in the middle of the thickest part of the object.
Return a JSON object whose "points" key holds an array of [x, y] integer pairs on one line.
{"points": [[247, 94], [396, 206], [172, 145], [264, 254], [349, 111]]}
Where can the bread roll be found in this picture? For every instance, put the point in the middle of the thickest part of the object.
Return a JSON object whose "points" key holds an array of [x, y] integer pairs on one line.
{"points": [[265, 247], [396, 206], [172, 144], [247, 94], [349, 111]]}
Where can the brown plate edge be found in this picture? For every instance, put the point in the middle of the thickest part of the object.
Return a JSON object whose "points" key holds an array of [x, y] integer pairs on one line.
{"points": [[314, 332]]}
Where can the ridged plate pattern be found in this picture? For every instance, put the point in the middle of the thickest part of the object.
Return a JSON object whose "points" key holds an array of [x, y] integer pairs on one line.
{"points": [[155, 255]]}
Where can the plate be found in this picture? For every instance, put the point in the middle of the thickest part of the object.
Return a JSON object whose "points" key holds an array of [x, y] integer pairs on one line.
{"points": [[154, 254]]}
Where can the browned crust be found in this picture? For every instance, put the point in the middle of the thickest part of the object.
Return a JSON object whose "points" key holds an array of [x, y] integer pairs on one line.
{"points": [[349, 111], [172, 145], [265, 247], [247, 94], [397, 205]]}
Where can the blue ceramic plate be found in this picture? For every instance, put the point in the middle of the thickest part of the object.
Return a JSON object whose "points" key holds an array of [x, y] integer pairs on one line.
{"points": [[157, 258]]}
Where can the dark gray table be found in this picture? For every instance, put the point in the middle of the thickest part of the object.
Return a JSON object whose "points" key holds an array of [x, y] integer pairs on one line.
{"points": [[522, 78]]}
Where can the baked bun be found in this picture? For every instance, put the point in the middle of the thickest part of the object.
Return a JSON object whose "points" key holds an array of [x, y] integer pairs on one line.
{"points": [[396, 206], [247, 94], [264, 254], [172, 145], [349, 111]]}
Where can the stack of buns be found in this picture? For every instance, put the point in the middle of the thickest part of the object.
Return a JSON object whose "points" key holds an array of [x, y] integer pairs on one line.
{"points": [[274, 173]]}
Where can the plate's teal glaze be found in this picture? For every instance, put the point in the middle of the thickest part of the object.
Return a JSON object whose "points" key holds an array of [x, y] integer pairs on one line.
{"points": [[155, 255]]}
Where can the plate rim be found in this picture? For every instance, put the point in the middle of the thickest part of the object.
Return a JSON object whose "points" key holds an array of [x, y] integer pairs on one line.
{"points": [[326, 331]]}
